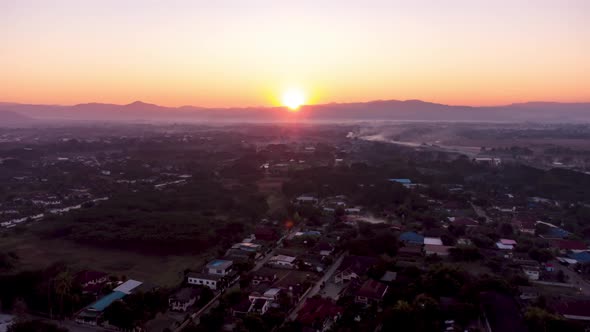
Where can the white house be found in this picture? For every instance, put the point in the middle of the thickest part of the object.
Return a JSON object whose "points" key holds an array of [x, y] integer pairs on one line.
{"points": [[283, 261], [532, 272], [435, 241], [212, 281]]}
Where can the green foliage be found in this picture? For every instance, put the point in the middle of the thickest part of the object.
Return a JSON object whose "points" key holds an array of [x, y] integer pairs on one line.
{"points": [[465, 253], [135, 309], [539, 319], [35, 326]]}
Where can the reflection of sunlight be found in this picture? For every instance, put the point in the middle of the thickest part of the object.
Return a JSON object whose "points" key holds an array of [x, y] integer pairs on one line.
{"points": [[293, 99]]}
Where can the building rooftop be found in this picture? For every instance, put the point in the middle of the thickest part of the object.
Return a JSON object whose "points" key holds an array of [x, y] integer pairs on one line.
{"points": [[569, 244], [433, 241], [219, 264], [283, 258], [185, 294], [372, 289], [411, 237], [106, 301], [128, 286]]}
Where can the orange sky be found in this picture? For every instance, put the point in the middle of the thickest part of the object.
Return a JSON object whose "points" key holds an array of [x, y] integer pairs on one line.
{"points": [[246, 53]]}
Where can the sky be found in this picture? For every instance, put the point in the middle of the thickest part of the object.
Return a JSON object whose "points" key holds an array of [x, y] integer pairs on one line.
{"points": [[247, 53]]}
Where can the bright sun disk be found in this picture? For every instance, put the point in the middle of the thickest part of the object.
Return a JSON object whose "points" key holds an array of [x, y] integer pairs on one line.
{"points": [[293, 99]]}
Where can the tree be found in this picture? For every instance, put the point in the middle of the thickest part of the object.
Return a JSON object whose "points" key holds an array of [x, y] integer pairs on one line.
{"points": [[506, 229], [538, 319], [35, 326], [399, 318], [62, 286]]}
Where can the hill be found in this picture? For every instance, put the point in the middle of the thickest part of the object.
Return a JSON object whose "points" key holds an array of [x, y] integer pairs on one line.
{"points": [[394, 110]]}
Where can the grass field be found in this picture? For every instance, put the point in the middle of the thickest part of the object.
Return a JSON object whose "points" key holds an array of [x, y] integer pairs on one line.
{"points": [[35, 253]]}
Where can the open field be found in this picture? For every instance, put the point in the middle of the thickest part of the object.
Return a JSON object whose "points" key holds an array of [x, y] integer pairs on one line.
{"points": [[35, 253]]}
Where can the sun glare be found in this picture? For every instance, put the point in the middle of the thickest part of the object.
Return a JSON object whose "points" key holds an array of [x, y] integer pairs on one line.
{"points": [[293, 99]]}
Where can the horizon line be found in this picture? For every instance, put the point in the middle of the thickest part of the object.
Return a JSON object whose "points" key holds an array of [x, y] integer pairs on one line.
{"points": [[302, 106]]}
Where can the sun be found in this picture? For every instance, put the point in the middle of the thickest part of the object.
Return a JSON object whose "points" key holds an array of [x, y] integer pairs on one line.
{"points": [[293, 99]]}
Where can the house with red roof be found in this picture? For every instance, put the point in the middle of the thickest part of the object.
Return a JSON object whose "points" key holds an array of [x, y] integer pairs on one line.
{"points": [[371, 291], [569, 245], [574, 308], [319, 313]]}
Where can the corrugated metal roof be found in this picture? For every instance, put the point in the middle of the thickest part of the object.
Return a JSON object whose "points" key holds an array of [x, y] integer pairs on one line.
{"points": [[128, 286], [106, 301]]}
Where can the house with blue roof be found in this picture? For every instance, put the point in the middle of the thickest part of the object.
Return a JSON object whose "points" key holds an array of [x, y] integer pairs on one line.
{"points": [[411, 238], [582, 257], [556, 233], [92, 314], [401, 181]]}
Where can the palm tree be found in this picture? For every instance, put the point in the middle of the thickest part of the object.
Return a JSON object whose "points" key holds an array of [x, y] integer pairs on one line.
{"points": [[63, 286]]}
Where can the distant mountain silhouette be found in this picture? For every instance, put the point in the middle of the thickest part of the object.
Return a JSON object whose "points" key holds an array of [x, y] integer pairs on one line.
{"points": [[12, 119], [408, 110]]}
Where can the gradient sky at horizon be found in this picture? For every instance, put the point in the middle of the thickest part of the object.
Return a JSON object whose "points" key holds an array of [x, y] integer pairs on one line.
{"points": [[245, 53]]}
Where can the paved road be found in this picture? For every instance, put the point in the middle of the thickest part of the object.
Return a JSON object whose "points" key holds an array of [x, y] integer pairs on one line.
{"points": [[573, 277], [316, 287]]}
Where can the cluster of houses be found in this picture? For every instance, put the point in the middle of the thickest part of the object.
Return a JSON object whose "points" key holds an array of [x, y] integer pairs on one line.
{"points": [[40, 205]]}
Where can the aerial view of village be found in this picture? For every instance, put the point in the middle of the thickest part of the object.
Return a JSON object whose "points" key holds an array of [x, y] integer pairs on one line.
{"points": [[295, 166], [295, 227]]}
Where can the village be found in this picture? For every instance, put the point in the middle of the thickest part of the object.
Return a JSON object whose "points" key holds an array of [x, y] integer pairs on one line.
{"points": [[349, 234]]}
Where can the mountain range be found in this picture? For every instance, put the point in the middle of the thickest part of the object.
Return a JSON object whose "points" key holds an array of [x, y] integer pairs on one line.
{"points": [[395, 110]]}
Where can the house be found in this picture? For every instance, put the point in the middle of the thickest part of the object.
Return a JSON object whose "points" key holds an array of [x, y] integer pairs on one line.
{"points": [[405, 182], [388, 277], [505, 244], [528, 293], [92, 314], [260, 303], [283, 261], [306, 200], [319, 313], [311, 262], [371, 291], [574, 308], [401, 181], [213, 281], [531, 271], [353, 211], [411, 238], [556, 233], [462, 241], [569, 245], [525, 226], [323, 248], [488, 161], [184, 298], [439, 250], [90, 280], [263, 275], [581, 257], [219, 267], [433, 241], [247, 246], [353, 267]]}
